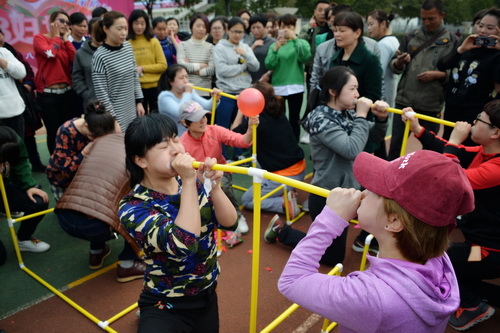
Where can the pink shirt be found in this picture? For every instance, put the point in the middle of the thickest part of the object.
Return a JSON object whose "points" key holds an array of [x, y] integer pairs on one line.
{"points": [[210, 143]]}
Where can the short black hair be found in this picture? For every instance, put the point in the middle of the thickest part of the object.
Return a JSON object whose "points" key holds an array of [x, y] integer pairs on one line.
{"points": [[234, 21], [287, 19], [141, 135], [320, 2], [135, 15], [349, 19], [98, 11], [341, 8], [9, 145], [492, 109], [262, 18], [200, 16], [77, 18], [157, 20], [431, 4]]}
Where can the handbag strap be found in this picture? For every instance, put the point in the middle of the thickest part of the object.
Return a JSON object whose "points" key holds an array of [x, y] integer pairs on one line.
{"points": [[428, 42]]}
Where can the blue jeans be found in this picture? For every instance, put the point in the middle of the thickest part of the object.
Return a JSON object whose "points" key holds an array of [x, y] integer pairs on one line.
{"points": [[93, 230], [275, 202]]}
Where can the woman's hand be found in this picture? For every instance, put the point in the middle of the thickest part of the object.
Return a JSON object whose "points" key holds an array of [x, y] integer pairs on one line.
{"points": [[409, 114], [31, 192], [54, 30], [205, 172], [215, 93], [467, 44], [188, 88], [140, 110], [87, 148], [183, 165], [344, 202], [363, 106], [140, 70], [379, 109], [460, 132], [240, 51]]}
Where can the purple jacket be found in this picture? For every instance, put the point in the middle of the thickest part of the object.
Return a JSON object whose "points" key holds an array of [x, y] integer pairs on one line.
{"points": [[391, 296]]}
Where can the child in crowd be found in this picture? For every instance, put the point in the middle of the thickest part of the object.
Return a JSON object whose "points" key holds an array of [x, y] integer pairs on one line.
{"points": [[23, 192], [478, 258], [73, 141], [410, 205], [173, 216], [175, 89], [203, 140], [169, 46]]}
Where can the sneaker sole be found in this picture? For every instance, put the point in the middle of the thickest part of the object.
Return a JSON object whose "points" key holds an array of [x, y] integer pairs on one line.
{"points": [[477, 320], [269, 229], [102, 262], [360, 249], [129, 278]]}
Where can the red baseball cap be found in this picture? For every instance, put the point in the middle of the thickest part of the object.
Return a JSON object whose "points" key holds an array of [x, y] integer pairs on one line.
{"points": [[428, 185]]}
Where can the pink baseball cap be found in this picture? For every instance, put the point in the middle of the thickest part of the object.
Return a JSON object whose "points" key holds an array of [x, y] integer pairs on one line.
{"points": [[191, 111], [428, 185]]}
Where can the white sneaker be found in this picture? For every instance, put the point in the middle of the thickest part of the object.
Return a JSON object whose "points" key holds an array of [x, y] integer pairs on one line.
{"points": [[242, 225], [33, 245], [305, 138]]}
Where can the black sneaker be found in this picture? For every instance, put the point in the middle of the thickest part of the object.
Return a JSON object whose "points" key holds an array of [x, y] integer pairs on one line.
{"points": [[465, 318], [359, 246]]}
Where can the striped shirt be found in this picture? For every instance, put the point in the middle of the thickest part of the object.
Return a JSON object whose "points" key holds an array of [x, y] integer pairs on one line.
{"points": [[192, 53], [116, 81]]}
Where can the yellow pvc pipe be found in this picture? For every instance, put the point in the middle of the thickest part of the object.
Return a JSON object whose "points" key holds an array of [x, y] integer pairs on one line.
{"points": [[122, 313], [255, 255], [67, 299], [279, 188], [9, 217], [254, 146], [43, 212], [272, 176], [424, 117], [221, 93], [214, 108], [406, 136]]}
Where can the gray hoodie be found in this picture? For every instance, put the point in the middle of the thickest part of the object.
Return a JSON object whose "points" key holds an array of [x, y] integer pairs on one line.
{"points": [[231, 69], [82, 72]]}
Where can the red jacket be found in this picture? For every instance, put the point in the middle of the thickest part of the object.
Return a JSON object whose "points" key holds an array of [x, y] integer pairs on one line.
{"points": [[54, 57]]}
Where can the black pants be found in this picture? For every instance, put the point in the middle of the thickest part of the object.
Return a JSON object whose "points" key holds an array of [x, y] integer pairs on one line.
{"points": [[55, 109], [150, 101], [470, 276], [335, 253], [398, 128], [188, 314], [19, 201], [294, 108], [16, 123]]}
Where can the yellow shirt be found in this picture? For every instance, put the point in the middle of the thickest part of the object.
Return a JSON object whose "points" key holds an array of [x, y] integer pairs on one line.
{"points": [[148, 53]]}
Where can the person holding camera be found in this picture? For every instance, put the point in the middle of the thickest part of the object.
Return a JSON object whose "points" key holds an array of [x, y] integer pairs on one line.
{"points": [[475, 72], [422, 83]]}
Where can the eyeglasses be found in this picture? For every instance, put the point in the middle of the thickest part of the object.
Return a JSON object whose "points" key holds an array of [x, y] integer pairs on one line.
{"points": [[63, 21], [478, 118], [237, 32]]}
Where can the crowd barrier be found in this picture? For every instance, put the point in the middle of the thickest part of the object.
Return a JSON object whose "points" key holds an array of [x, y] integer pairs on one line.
{"points": [[258, 175]]}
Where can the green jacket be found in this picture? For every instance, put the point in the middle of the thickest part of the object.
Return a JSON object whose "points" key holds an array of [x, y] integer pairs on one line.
{"points": [[367, 68], [21, 172], [288, 62]]}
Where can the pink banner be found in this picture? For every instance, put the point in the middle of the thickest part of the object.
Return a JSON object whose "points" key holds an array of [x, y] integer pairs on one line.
{"points": [[21, 20]]}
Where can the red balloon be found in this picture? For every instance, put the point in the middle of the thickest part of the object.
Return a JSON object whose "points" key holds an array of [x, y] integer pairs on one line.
{"points": [[251, 102]]}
